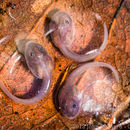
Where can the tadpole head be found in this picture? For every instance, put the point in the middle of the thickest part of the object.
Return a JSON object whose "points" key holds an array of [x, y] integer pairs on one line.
{"points": [[69, 105], [38, 60], [61, 20], [62, 26]]}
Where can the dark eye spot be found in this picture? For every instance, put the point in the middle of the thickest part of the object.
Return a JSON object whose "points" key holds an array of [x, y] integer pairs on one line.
{"points": [[74, 105], [66, 21], [32, 54], [16, 112]]}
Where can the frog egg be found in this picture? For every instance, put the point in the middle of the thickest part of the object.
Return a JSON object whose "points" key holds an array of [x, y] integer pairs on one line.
{"points": [[80, 38], [92, 87], [27, 81]]}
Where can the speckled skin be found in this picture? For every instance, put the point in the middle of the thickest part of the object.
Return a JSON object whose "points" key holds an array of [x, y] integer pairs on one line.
{"points": [[63, 34], [91, 92]]}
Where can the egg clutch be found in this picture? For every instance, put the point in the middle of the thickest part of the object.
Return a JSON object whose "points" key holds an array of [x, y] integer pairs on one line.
{"points": [[90, 88]]}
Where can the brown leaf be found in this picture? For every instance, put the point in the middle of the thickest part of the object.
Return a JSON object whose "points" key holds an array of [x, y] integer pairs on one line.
{"points": [[43, 115]]}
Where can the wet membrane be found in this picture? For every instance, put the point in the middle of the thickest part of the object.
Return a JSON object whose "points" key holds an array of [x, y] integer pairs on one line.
{"points": [[19, 80]]}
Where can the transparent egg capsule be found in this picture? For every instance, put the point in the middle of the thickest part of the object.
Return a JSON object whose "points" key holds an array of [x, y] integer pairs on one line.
{"points": [[26, 78], [88, 89], [80, 39]]}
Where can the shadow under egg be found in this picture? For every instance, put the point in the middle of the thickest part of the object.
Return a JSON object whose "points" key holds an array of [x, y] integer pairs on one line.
{"points": [[47, 21], [56, 90], [46, 29]]}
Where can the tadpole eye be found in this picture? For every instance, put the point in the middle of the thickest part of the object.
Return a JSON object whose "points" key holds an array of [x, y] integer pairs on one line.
{"points": [[74, 105], [66, 21], [32, 54]]}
